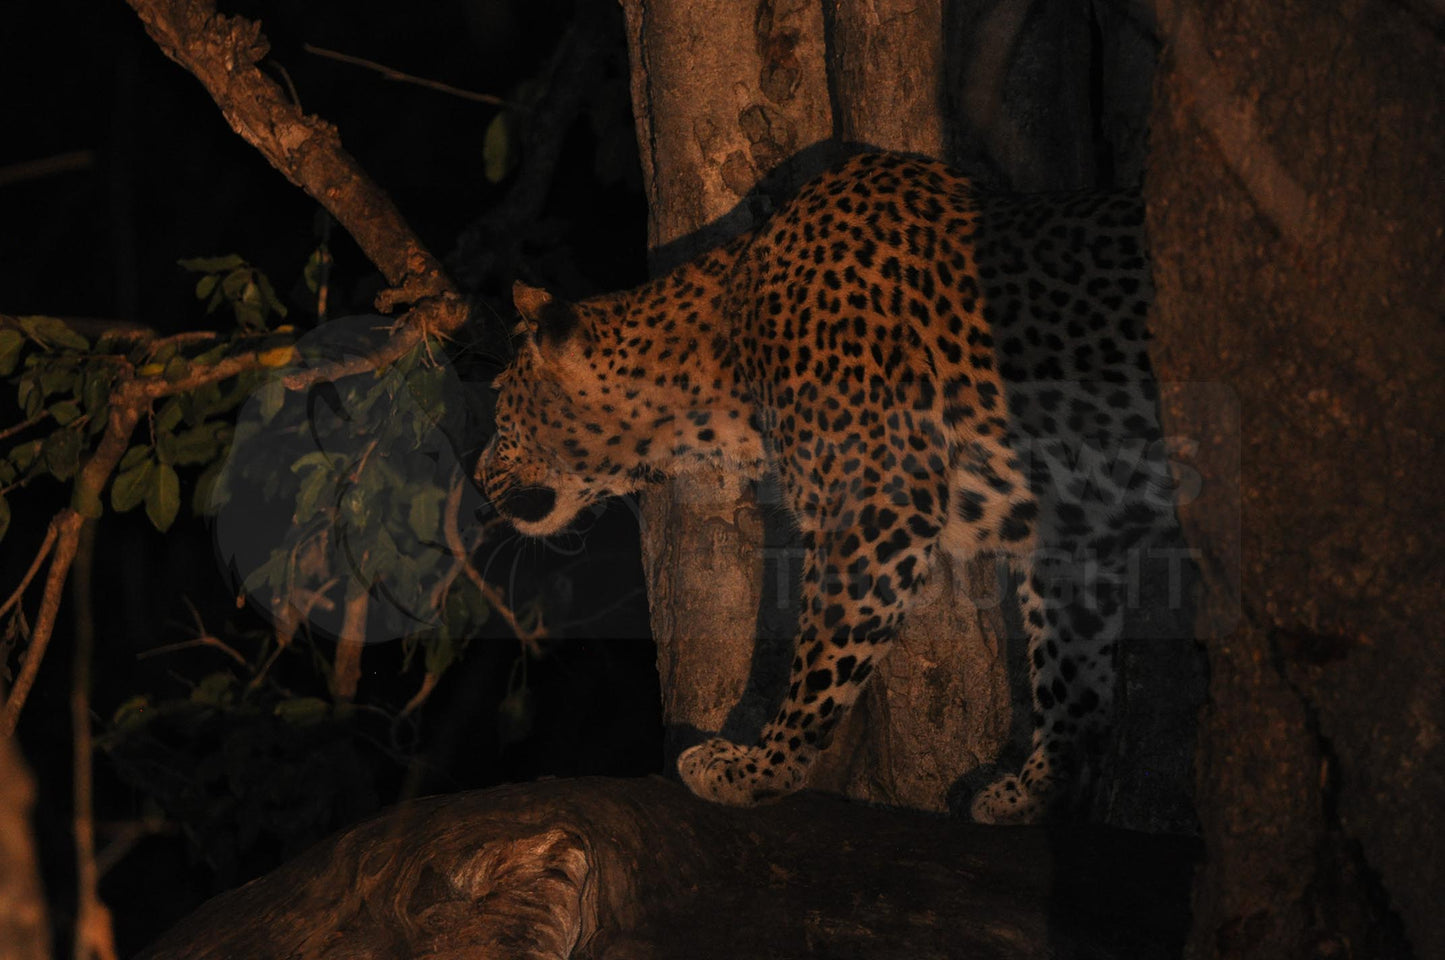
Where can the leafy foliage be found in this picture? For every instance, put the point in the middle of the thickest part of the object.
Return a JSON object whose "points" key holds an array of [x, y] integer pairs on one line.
{"points": [[240, 766], [315, 496]]}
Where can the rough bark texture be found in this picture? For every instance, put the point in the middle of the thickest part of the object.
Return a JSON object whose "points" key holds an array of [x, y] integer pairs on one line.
{"points": [[222, 53], [885, 63], [1295, 214], [640, 870], [24, 932], [723, 93]]}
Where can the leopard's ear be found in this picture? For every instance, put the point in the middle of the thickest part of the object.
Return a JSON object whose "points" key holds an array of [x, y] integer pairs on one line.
{"points": [[544, 316]]}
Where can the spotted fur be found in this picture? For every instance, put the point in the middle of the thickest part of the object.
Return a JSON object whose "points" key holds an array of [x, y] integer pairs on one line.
{"points": [[929, 369]]}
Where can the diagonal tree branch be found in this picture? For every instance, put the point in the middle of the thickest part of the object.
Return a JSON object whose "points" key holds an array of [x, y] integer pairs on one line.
{"points": [[222, 53]]}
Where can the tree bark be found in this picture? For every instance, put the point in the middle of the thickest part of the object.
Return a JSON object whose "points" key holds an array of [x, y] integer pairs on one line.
{"points": [[1295, 201], [598, 869], [723, 92], [24, 931]]}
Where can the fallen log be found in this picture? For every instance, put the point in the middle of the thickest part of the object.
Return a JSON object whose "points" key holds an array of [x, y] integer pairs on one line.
{"points": [[629, 869]]}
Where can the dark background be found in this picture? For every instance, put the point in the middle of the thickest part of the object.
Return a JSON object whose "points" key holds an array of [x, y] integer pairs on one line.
{"points": [[162, 177]]}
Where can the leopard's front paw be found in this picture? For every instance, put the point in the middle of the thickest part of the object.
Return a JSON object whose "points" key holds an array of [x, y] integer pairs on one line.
{"points": [[1009, 801], [739, 776]]}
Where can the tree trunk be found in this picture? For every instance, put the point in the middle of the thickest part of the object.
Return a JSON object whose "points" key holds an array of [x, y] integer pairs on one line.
{"points": [[1295, 216], [723, 92]]}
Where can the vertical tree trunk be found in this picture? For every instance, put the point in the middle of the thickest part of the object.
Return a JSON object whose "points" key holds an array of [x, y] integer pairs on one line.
{"points": [[1295, 216], [722, 93], [24, 932]]}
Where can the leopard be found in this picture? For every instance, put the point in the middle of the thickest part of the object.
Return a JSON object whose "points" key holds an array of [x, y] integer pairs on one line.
{"points": [[928, 369]]}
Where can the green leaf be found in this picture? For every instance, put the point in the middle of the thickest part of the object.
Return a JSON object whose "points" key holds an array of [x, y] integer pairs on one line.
{"points": [[425, 513], [24, 455], [214, 690], [163, 499], [196, 446], [96, 394], [4, 516], [206, 286], [272, 395], [176, 369], [212, 264], [210, 494], [11, 343], [271, 573], [53, 332], [165, 447], [313, 273], [235, 283], [268, 295], [86, 502], [28, 395], [317, 484], [313, 460], [514, 716], [62, 453], [210, 356], [441, 652], [250, 316], [65, 412], [134, 456], [303, 711], [380, 556], [170, 415], [129, 488], [497, 153], [57, 377], [164, 353], [132, 714]]}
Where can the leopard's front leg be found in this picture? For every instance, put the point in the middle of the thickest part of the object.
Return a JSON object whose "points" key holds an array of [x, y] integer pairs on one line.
{"points": [[857, 584]]}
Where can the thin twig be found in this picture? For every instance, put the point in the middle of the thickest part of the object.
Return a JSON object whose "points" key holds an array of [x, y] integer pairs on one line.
{"points": [[66, 525], [492, 595], [124, 837], [428, 684], [393, 74], [346, 669], [93, 934], [24, 425], [40, 555], [49, 166], [205, 640]]}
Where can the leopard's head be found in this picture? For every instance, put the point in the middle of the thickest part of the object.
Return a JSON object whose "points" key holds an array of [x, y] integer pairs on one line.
{"points": [[561, 439]]}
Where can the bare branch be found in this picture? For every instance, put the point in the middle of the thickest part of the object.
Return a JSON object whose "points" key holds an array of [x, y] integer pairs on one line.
{"points": [[346, 670], [40, 555], [222, 53], [462, 555], [392, 74], [66, 527], [46, 167]]}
